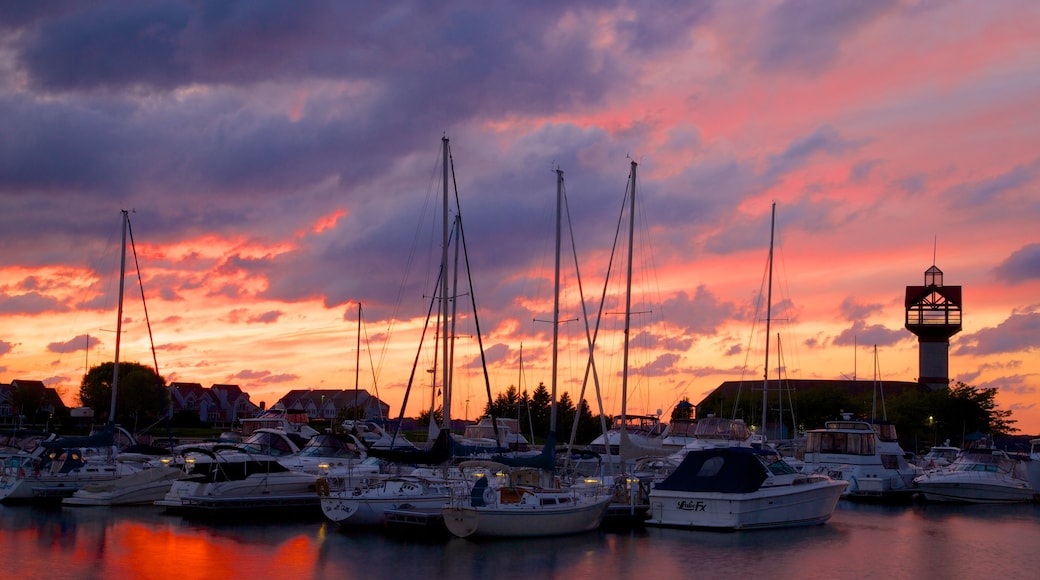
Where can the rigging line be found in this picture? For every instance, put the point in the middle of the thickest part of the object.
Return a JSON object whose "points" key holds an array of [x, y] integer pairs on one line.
{"points": [[412, 253], [785, 297], [415, 365], [589, 337], [751, 339], [144, 304], [472, 293]]}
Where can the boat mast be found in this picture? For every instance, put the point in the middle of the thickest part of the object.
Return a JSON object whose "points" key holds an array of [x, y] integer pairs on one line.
{"points": [[357, 366], [119, 320], [628, 298], [556, 297], [446, 411], [769, 305]]}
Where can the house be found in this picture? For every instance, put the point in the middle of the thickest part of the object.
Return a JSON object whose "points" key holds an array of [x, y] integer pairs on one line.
{"points": [[29, 401], [218, 404], [327, 404]]}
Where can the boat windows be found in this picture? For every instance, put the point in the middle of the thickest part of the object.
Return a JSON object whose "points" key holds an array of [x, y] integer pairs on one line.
{"points": [[711, 467], [840, 443]]}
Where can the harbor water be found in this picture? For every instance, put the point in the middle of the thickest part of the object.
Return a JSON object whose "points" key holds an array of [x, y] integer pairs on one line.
{"points": [[918, 541]]}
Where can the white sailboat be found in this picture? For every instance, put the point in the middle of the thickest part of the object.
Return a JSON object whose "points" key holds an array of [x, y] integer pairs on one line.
{"points": [[734, 487], [534, 503], [630, 437], [59, 467]]}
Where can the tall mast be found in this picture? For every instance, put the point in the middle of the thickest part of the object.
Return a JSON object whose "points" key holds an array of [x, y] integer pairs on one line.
{"points": [[119, 320], [357, 366], [628, 297], [446, 411], [769, 317], [556, 296]]}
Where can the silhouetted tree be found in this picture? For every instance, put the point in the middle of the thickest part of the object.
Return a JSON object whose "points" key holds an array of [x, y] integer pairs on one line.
{"points": [[140, 396]]}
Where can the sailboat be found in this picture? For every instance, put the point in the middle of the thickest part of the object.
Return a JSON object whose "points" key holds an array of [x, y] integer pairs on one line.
{"points": [[422, 488], [631, 436], [59, 467], [739, 488], [533, 503]]}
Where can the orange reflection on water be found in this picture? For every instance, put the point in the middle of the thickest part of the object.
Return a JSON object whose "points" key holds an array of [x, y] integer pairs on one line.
{"points": [[95, 544]]}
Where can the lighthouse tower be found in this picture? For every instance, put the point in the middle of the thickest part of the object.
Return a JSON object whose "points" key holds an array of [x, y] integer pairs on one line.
{"points": [[933, 313]]}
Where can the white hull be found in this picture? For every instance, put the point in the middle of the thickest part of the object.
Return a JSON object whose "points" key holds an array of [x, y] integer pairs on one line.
{"points": [[261, 488], [142, 488], [978, 491], [372, 511], [770, 507], [25, 487], [516, 521]]}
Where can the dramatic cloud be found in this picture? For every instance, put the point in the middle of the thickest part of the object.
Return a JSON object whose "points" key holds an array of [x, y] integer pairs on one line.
{"points": [[282, 163], [81, 342], [1021, 266], [1019, 332]]}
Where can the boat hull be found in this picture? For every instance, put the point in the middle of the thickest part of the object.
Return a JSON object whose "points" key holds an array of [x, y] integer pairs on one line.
{"points": [[361, 511], [525, 521], [800, 505], [975, 492], [142, 488]]}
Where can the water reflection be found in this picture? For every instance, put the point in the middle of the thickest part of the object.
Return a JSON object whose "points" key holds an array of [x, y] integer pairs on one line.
{"points": [[904, 541]]}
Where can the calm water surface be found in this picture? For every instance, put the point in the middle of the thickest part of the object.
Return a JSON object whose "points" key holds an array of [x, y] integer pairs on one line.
{"points": [[929, 541]]}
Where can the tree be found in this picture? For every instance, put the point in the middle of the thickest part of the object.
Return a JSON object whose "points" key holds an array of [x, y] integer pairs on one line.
{"points": [[140, 397], [505, 404], [541, 405], [683, 410]]}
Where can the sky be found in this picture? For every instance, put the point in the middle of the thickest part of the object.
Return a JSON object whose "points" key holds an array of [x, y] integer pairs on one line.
{"points": [[282, 165]]}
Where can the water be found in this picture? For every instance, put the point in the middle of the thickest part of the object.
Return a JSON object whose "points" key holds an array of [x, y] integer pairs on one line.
{"points": [[930, 541]]}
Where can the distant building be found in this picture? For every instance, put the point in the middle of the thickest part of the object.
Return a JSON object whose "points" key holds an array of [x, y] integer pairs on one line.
{"points": [[933, 314], [328, 403], [861, 390], [29, 401], [224, 404]]}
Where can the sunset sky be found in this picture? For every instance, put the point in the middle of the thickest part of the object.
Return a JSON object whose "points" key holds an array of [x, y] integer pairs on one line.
{"points": [[282, 161]]}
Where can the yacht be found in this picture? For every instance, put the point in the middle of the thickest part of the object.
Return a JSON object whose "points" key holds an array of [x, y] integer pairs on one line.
{"points": [[741, 488], [939, 456], [234, 479], [982, 475], [142, 487], [483, 433], [866, 455]]}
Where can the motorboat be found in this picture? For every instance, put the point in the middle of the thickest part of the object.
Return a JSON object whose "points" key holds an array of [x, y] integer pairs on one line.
{"points": [[327, 452], [641, 429], [373, 435], [483, 433], [939, 456], [230, 478], [741, 488], [712, 431], [866, 455], [296, 422], [367, 506], [142, 487], [978, 475], [1033, 466], [60, 466], [524, 508]]}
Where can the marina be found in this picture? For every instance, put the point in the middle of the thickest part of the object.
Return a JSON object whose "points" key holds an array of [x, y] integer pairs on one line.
{"points": [[914, 541]]}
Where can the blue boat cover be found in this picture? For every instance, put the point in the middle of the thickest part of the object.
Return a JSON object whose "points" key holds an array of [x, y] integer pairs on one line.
{"points": [[721, 470]]}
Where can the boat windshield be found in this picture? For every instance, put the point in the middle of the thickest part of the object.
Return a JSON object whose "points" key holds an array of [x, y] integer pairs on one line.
{"points": [[639, 424], [269, 443], [841, 443], [720, 428]]}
